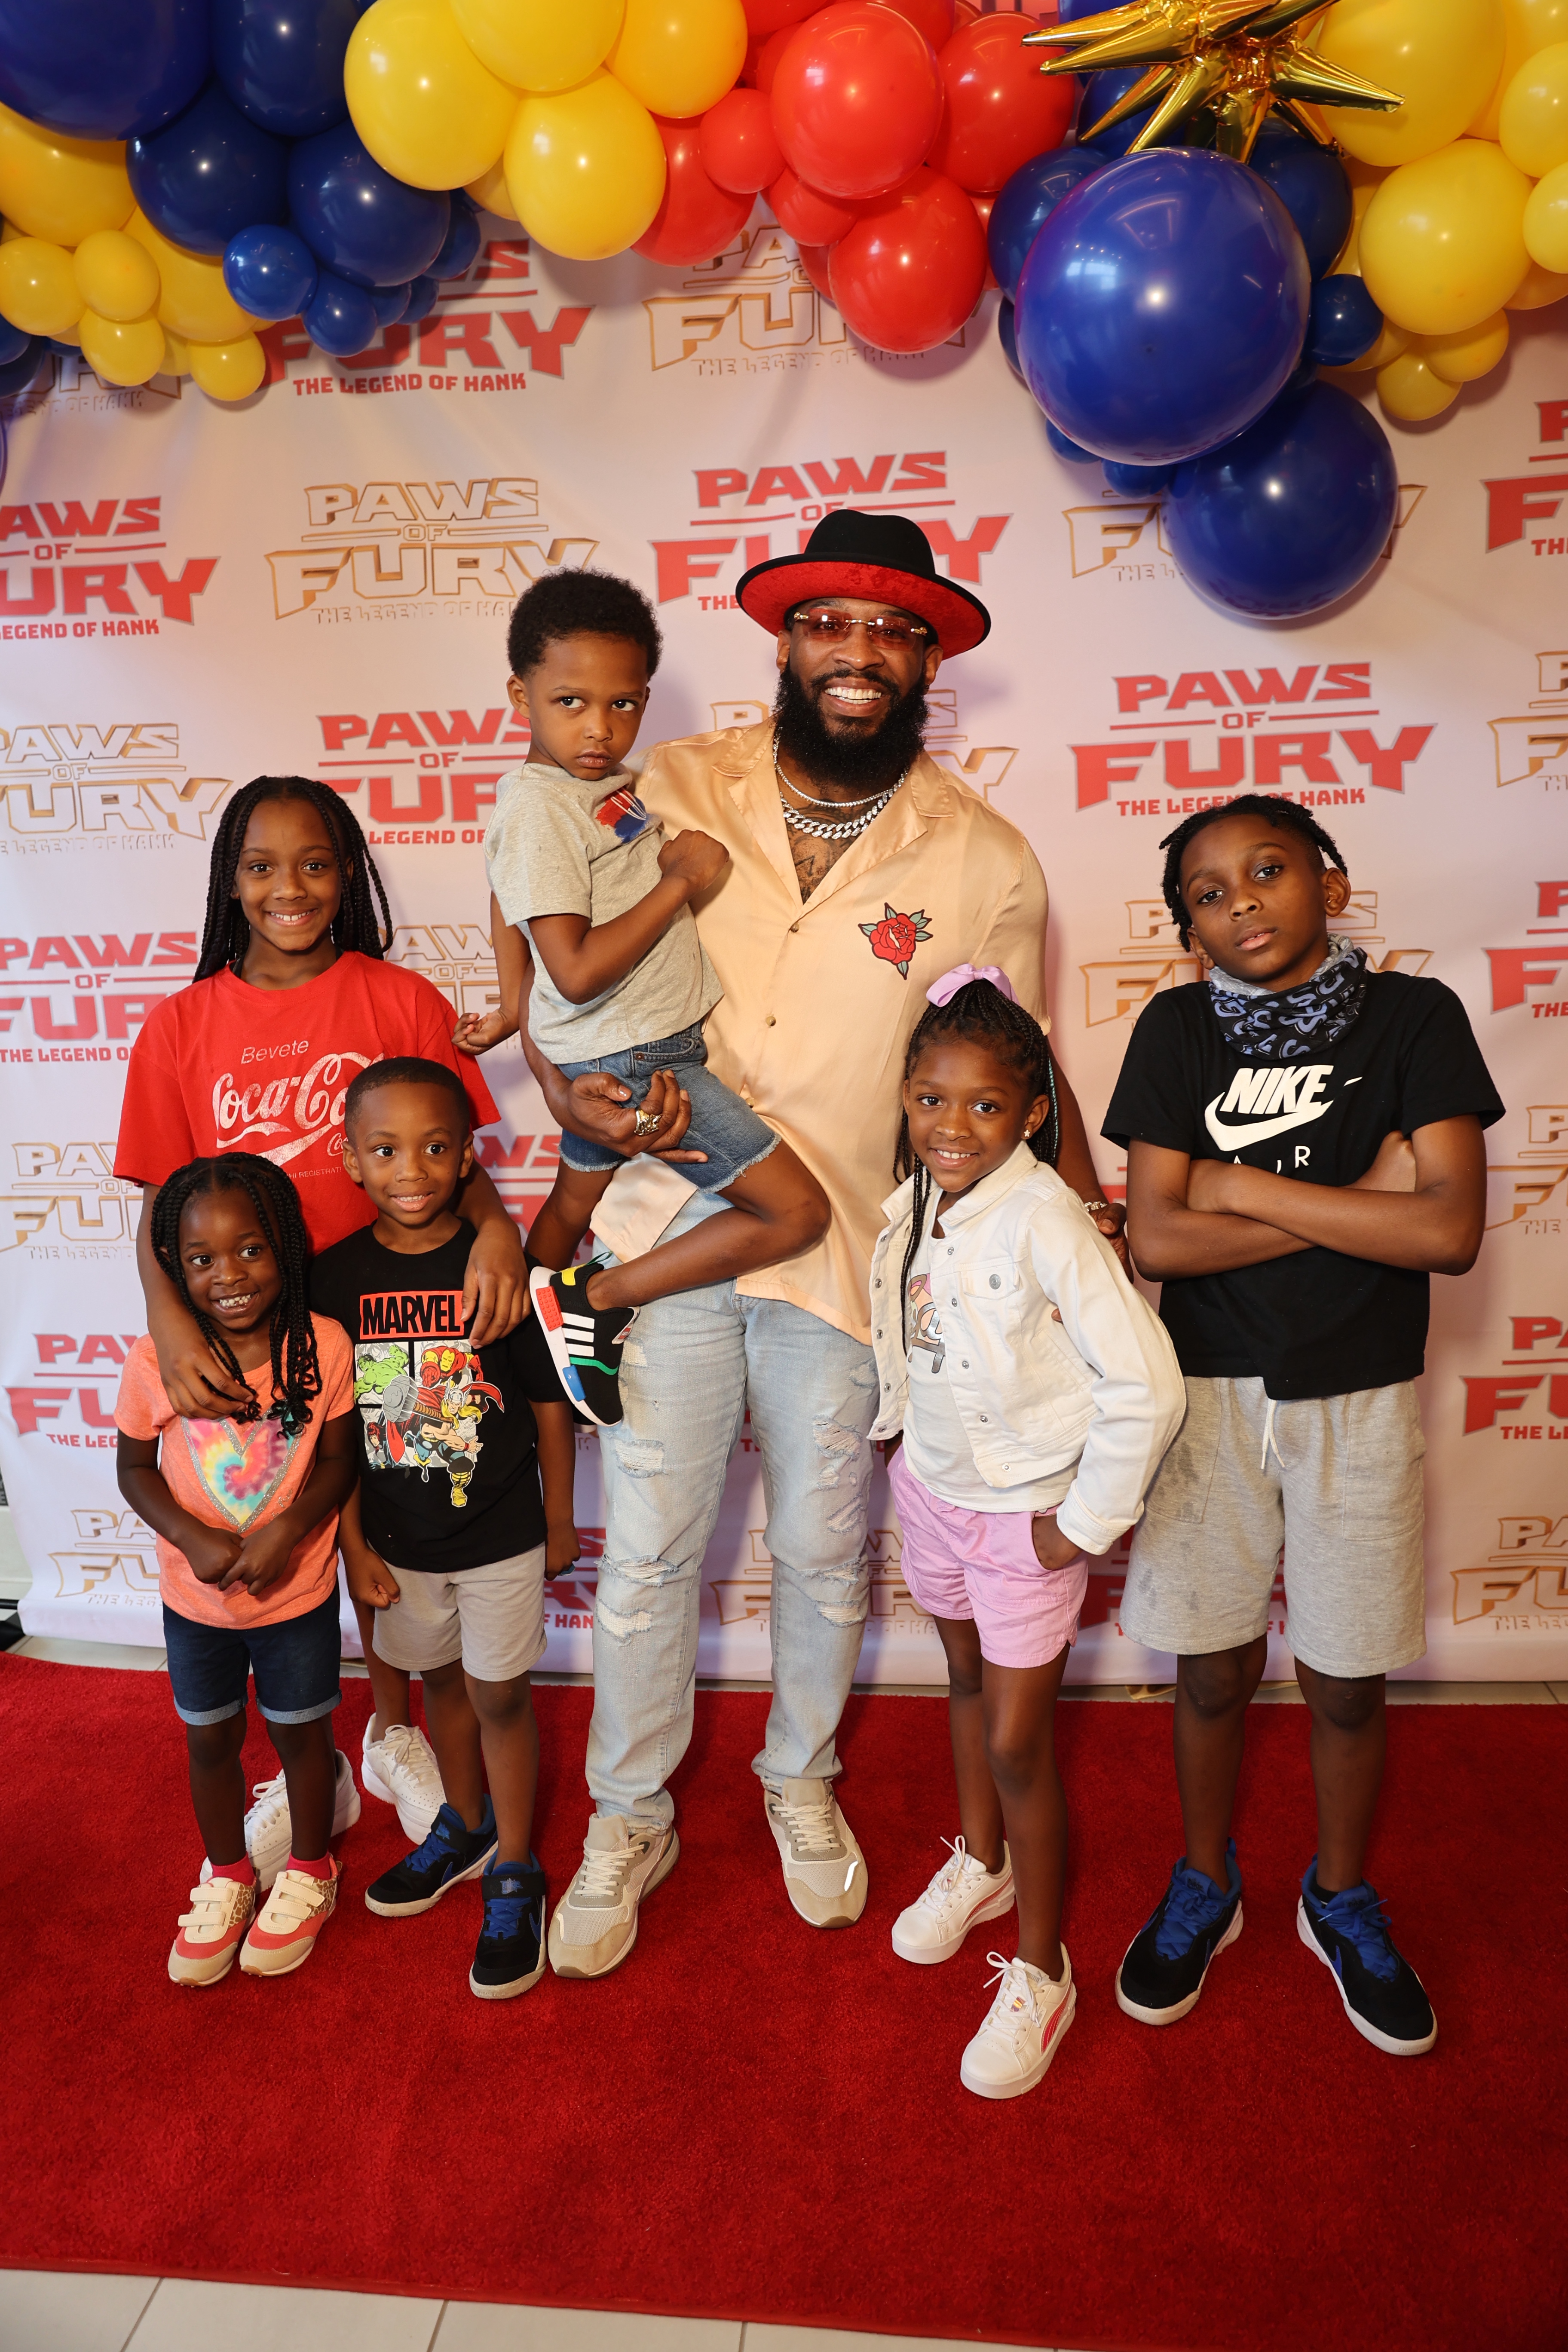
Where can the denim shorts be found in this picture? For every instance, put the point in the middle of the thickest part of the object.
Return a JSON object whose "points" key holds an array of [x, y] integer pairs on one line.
{"points": [[722, 1126], [295, 1663]]}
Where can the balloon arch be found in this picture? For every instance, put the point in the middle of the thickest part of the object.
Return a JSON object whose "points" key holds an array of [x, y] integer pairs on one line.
{"points": [[1213, 222]]}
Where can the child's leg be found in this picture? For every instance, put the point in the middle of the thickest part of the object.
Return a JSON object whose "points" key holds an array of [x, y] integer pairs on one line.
{"points": [[558, 1229], [979, 1806], [509, 1732], [1213, 1694], [388, 1685], [779, 1209], [308, 1759], [455, 1736], [1019, 1709], [217, 1786], [1349, 1725]]}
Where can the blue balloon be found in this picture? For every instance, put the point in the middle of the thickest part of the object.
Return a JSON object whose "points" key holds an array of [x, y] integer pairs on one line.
{"points": [[370, 228], [339, 318], [1103, 90], [389, 304], [1026, 201], [281, 61], [18, 373], [1138, 481], [1006, 336], [1314, 188], [1344, 324], [102, 68], [460, 249], [270, 271], [209, 175], [421, 297], [1291, 515], [1072, 451], [1163, 306], [13, 342]]}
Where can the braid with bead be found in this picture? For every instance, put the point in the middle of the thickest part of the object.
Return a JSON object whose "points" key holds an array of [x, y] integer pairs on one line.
{"points": [[226, 934], [296, 1373]]}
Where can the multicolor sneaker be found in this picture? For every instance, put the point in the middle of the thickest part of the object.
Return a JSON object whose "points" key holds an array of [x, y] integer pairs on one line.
{"points": [[960, 1896], [289, 1923], [585, 1342], [824, 1868], [449, 1855], [1384, 1998], [595, 1921], [400, 1768], [211, 1931], [1163, 1968], [269, 1833], [509, 1955], [1023, 2029]]}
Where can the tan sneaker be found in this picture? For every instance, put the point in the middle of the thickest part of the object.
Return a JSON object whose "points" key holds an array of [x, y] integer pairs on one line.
{"points": [[289, 1922], [1023, 2029], [211, 1931], [595, 1922], [824, 1868]]}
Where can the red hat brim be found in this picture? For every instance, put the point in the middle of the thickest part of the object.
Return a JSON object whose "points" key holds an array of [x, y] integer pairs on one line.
{"points": [[771, 591]]}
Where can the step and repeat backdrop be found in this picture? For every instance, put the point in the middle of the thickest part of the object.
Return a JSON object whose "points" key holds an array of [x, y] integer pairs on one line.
{"points": [[319, 581]]}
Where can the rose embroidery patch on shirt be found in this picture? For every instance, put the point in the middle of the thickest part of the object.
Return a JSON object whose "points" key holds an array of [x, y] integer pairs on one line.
{"points": [[895, 939]]}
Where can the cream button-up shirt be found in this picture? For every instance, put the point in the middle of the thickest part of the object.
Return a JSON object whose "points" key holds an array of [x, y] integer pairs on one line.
{"points": [[821, 995]]}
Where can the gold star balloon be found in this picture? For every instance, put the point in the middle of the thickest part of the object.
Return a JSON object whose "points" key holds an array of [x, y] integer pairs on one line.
{"points": [[1213, 69]]}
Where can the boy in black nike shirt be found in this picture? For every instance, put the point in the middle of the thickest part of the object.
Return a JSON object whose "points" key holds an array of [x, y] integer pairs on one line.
{"points": [[1304, 1150], [449, 1537]]}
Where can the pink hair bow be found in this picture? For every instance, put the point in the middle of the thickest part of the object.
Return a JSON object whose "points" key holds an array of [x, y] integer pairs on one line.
{"points": [[942, 990]]}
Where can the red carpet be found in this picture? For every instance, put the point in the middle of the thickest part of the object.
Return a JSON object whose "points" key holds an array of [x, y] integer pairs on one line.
{"points": [[751, 2119]]}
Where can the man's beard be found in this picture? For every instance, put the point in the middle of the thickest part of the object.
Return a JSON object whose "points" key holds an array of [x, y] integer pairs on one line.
{"points": [[855, 762]]}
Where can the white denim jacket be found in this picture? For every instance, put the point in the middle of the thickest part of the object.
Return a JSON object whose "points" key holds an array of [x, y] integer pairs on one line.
{"points": [[1100, 1388]]}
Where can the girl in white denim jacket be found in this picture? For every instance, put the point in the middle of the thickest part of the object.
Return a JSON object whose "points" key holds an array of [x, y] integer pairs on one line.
{"points": [[1035, 1393]]}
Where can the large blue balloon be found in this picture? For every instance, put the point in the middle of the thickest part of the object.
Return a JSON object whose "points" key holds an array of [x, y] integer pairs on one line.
{"points": [[1103, 90], [1291, 515], [1026, 201], [281, 61], [1163, 306], [370, 228], [209, 174], [1345, 322], [339, 318], [1314, 188], [270, 271], [102, 68]]}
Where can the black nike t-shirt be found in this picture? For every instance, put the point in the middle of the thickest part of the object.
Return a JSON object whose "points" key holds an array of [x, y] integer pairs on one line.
{"points": [[448, 1464], [1316, 1323]]}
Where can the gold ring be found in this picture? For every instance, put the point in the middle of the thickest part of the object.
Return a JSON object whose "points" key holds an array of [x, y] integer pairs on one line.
{"points": [[647, 1123]]}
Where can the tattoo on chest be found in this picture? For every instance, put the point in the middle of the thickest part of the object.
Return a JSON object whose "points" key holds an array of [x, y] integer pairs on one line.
{"points": [[813, 860]]}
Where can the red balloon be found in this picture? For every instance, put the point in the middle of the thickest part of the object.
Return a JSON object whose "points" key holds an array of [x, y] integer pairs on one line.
{"points": [[767, 15], [697, 218], [1001, 108], [768, 58], [814, 261], [982, 214], [806, 215], [909, 273], [934, 17], [857, 99], [738, 150]]}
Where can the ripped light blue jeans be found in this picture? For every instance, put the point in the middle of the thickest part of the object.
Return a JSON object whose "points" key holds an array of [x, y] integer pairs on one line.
{"points": [[693, 1364]]}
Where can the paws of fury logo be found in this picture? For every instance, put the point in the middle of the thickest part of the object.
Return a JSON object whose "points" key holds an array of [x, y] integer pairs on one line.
{"points": [[124, 783], [378, 548], [1537, 744]]}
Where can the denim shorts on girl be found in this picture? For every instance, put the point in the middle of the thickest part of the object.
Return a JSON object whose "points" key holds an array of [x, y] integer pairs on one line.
{"points": [[722, 1126], [982, 1566], [295, 1662]]}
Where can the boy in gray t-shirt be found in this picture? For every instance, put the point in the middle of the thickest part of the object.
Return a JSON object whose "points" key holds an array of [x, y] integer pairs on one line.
{"points": [[620, 984]]}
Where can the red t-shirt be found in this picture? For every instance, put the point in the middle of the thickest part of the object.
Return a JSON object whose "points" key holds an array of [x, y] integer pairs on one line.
{"points": [[224, 1066]]}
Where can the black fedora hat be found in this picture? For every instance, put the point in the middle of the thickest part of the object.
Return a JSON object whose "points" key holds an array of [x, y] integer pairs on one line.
{"points": [[885, 559]]}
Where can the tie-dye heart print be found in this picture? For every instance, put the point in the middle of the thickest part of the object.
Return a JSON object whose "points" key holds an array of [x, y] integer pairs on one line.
{"points": [[240, 1464]]}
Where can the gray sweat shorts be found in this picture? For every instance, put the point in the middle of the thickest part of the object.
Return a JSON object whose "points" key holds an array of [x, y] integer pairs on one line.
{"points": [[1335, 1480]]}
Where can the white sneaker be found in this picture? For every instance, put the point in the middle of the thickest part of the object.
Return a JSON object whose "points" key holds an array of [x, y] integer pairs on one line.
{"points": [[824, 1868], [400, 1768], [595, 1922], [269, 1835], [962, 1893], [1023, 2030]]}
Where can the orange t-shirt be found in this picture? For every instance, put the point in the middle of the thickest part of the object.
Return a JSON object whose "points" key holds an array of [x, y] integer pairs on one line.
{"points": [[240, 1475]]}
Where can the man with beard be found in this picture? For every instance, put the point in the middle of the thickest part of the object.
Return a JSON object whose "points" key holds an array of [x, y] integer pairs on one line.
{"points": [[858, 871]]}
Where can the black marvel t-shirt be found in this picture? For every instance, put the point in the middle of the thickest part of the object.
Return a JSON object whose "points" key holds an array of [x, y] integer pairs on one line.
{"points": [[1316, 1323], [448, 1468]]}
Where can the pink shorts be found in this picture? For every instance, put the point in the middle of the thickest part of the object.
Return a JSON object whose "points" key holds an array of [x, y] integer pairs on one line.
{"points": [[981, 1565]]}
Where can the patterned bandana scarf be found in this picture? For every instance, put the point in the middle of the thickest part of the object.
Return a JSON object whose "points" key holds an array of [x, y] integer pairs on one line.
{"points": [[1294, 1024]]}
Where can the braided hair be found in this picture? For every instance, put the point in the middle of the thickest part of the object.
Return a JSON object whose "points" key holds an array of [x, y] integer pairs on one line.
{"points": [[980, 1014], [1272, 807], [296, 1374], [226, 934]]}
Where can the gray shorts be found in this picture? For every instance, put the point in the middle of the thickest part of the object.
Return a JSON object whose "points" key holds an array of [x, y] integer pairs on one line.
{"points": [[491, 1617], [1336, 1481]]}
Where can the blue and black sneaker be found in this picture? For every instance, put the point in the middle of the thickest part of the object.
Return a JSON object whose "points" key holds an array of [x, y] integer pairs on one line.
{"points": [[510, 1957], [1163, 1968], [1383, 1997], [449, 1853]]}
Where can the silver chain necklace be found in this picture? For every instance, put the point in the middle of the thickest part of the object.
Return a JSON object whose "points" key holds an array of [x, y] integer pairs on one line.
{"points": [[872, 808]]}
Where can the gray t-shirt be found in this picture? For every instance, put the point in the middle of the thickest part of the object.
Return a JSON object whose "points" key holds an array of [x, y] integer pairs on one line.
{"points": [[555, 846]]}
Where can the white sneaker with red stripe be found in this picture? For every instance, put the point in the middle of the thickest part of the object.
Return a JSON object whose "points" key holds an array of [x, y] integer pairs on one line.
{"points": [[211, 1931], [289, 1923], [1023, 2030]]}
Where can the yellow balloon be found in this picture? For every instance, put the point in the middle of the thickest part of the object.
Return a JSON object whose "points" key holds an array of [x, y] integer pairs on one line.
{"points": [[38, 286], [1442, 245], [540, 43], [679, 57], [427, 110], [586, 168], [1463, 358], [490, 191], [61, 189], [1545, 225], [121, 350], [1540, 288], [1527, 26], [194, 301], [1443, 56], [1365, 185], [177, 354], [230, 370], [1388, 346], [1409, 391], [1532, 121], [118, 278]]}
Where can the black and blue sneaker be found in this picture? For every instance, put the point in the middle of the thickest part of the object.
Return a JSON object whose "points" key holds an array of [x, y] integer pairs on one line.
{"points": [[509, 1955], [1163, 1968], [1383, 1997], [449, 1853]]}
